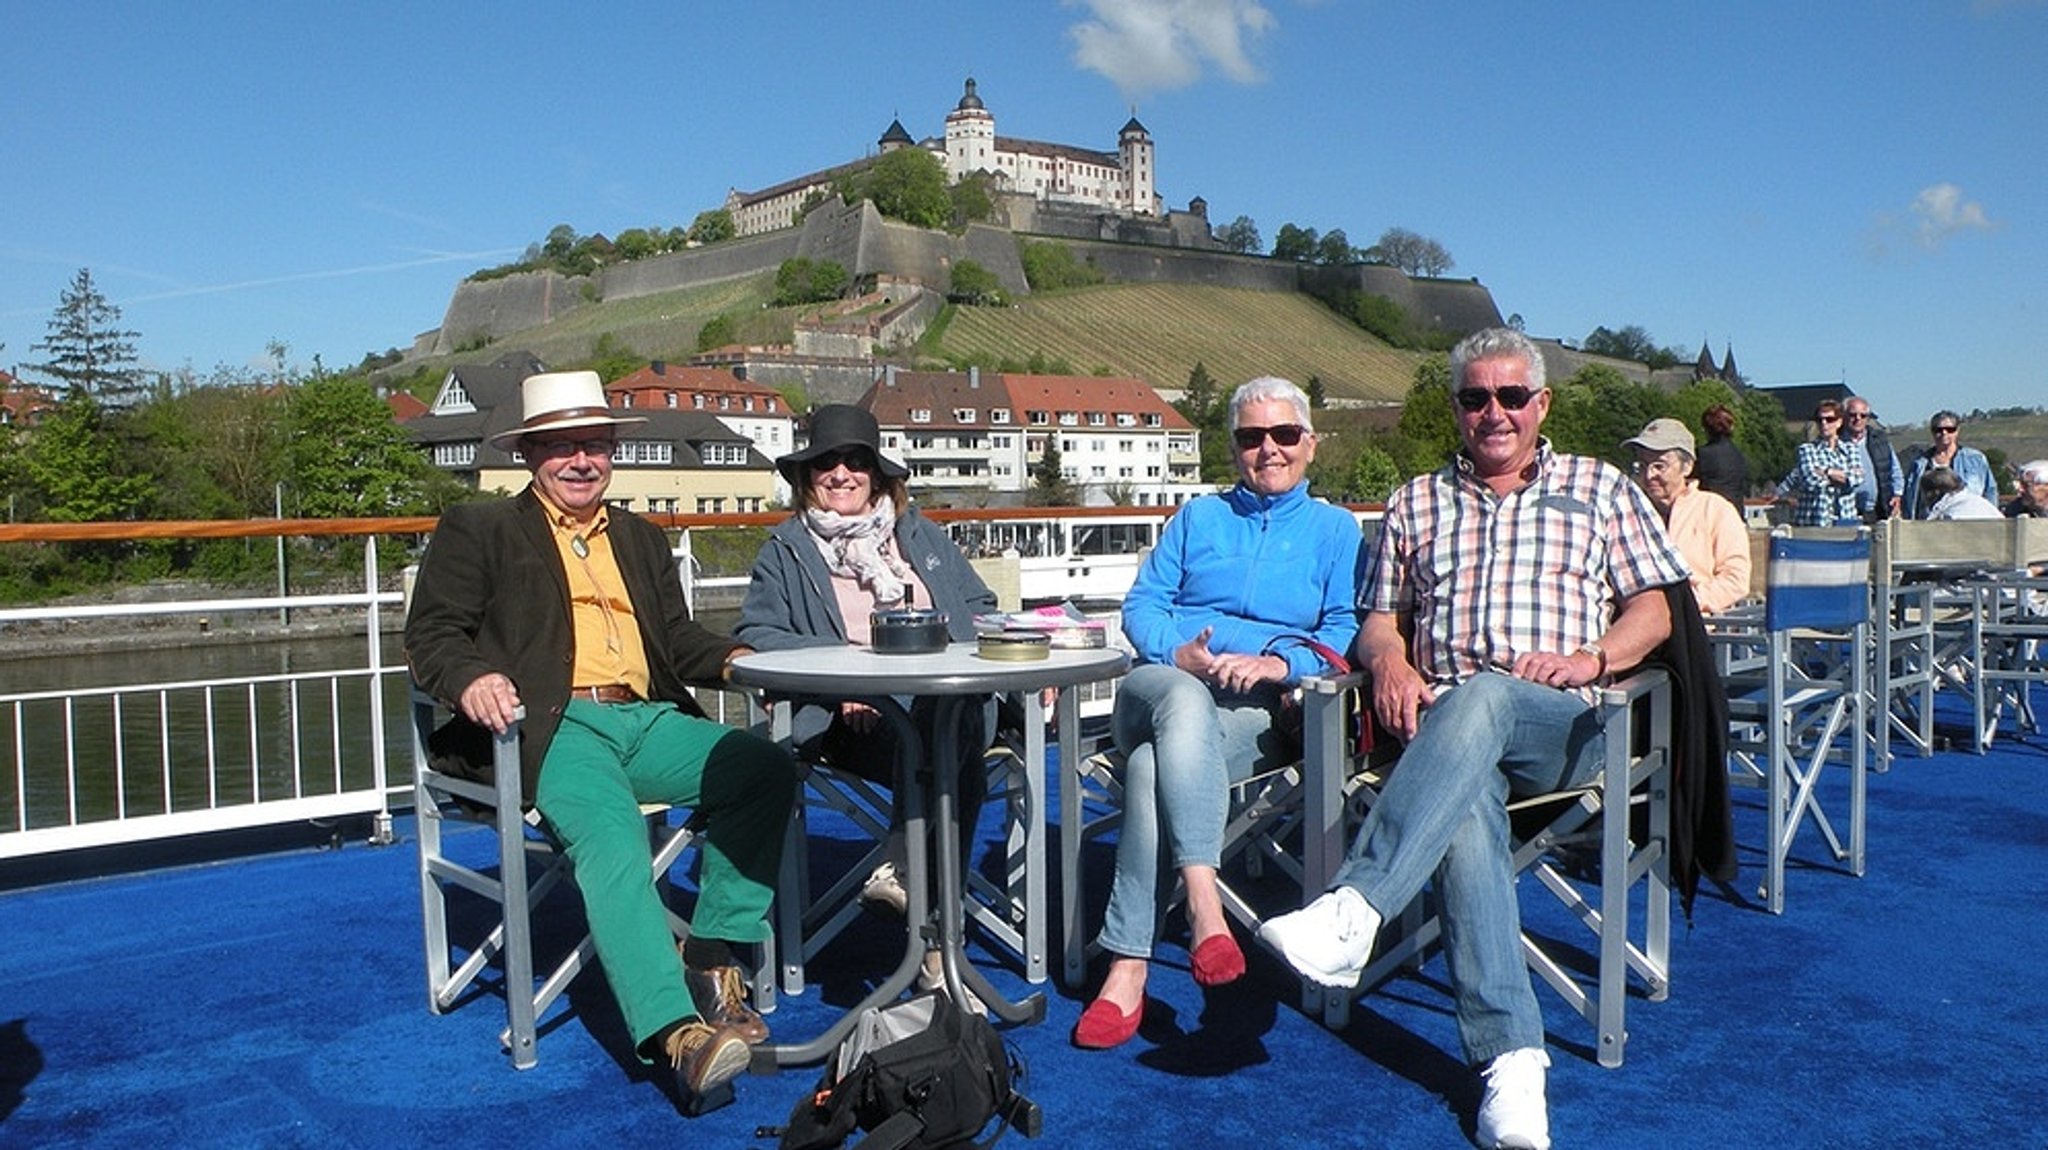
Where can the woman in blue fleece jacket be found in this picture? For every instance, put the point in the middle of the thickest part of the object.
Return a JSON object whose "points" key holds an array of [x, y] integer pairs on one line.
{"points": [[1224, 617]]}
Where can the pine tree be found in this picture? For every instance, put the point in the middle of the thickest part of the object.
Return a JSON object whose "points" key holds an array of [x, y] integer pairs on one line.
{"points": [[89, 352]]}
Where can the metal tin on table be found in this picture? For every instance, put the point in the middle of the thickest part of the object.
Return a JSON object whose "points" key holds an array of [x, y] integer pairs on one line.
{"points": [[1014, 646]]}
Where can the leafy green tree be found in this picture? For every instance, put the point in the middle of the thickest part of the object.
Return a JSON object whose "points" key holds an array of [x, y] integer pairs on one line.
{"points": [[1417, 255], [1374, 475], [908, 184], [972, 201], [637, 243], [1428, 428], [73, 466], [717, 331], [1296, 244], [1204, 403], [712, 227], [346, 457], [1334, 249], [1596, 409], [1051, 266], [612, 358], [1241, 235], [802, 280], [1760, 433], [89, 350], [1631, 343], [1317, 396], [974, 284]]}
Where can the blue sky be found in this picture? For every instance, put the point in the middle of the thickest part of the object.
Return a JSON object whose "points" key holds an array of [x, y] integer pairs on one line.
{"points": [[1840, 190]]}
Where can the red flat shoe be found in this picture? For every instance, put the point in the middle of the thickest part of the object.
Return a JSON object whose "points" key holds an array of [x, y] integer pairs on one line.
{"points": [[1104, 1025], [1217, 961]]}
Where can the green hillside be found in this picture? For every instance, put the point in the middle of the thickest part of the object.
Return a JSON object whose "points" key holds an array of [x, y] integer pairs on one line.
{"points": [[1157, 332]]}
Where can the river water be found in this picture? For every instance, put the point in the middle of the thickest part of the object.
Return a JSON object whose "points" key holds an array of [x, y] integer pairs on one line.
{"points": [[188, 748]]}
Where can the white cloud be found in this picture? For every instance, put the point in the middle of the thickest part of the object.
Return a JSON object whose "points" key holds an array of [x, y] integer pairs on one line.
{"points": [[1940, 211], [1151, 45]]}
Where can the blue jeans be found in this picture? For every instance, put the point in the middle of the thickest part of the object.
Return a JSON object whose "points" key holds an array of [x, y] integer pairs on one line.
{"points": [[1444, 810], [1183, 747]]}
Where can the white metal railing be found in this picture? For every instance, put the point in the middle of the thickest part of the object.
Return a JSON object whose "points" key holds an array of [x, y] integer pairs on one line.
{"points": [[121, 762], [103, 765]]}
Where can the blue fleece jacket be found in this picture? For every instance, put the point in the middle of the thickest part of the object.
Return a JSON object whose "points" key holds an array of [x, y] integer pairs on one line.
{"points": [[1257, 569]]}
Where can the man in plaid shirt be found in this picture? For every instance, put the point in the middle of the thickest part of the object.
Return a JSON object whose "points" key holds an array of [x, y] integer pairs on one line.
{"points": [[1522, 578]]}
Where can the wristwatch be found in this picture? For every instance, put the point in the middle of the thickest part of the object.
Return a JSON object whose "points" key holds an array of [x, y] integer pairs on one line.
{"points": [[1599, 653]]}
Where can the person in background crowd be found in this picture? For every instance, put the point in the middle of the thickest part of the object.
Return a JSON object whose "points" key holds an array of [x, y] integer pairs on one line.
{"points": [[1228, 612], [1708, 531], [556, 602], [2032, 499], [1523, 578], [1948, 451], [1824, 480], [1877, 496], [1943, 496], [1722, 469]]}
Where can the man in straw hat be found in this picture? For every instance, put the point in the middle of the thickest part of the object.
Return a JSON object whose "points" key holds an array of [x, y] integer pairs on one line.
{"points": [[553, 601]]}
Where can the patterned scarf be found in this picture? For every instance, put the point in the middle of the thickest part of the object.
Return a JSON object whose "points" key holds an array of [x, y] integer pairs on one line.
{"points": [[856, 547]]}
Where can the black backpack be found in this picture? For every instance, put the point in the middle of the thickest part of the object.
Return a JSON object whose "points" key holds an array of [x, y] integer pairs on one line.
{"points": [[920, 1074]]}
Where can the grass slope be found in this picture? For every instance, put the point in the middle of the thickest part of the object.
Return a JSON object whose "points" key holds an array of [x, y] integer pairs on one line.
{"points": [[1158, 332]]}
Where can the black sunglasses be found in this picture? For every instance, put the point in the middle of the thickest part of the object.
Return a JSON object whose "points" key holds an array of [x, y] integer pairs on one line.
{"points": [[1944, 431], [1283, 434], [855, 459], [1513, 397]]}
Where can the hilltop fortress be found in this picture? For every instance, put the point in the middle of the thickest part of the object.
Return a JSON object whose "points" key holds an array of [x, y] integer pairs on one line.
{"points": [[1103, 205]]}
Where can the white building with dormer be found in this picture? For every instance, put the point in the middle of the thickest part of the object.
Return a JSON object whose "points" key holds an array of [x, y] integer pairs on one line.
{"points": [[1120, 182]]}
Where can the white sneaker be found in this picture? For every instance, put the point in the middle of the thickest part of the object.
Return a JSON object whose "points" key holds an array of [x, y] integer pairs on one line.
{"points": [[1513, 1113], [1330, 940], [884, 891]]}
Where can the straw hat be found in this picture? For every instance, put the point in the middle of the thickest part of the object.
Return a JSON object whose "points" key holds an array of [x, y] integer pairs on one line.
{"points": [[559, 400]]}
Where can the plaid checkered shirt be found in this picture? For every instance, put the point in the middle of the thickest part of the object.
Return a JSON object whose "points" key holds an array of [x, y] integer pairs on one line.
{"points": [[1487, 577]]}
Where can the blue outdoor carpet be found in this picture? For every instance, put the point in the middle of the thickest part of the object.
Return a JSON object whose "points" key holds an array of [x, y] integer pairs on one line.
{"points": [[278, 1001]]}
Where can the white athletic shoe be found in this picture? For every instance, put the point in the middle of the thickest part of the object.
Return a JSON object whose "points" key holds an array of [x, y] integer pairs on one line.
{"points": [[1330, 940], [1513, 1112]]}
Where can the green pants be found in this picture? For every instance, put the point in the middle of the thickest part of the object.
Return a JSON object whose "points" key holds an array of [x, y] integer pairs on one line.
{"points": [[607, 759]]}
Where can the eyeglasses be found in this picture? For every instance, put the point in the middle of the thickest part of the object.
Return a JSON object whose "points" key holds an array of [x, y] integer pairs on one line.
{"points": [[1859, 415], [1662, 465], [1513, 397], [1943, 430], [852, 458], [569, 448], [1827, 419], [1282, 435]]}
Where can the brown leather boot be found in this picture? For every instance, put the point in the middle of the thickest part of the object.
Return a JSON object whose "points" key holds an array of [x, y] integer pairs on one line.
{"points": [[721, 997], [705, 1059]]}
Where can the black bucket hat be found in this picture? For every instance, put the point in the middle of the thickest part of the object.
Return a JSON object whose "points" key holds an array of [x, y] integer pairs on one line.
{"points": [[835, 427]]}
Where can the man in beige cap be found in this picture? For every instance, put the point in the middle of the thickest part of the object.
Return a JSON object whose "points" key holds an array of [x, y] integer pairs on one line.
{"points": [[553, 601]]}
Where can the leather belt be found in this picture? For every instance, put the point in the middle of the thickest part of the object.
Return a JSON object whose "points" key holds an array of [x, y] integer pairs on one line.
{"points": [[609, 693]]}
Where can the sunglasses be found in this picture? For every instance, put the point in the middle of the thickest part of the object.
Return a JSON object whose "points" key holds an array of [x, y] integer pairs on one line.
{"points": [[569, 448], [1282, 434], [1944, 431], [1828, 418], [854, 459], [1513, 397], [1858, 415]]}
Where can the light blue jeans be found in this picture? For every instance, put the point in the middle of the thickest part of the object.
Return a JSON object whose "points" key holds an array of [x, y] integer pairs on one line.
{"points": [[1183, 747], [1444, 810]]}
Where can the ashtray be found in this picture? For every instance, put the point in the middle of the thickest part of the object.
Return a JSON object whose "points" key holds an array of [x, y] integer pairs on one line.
{"points": [[908, 631]]}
